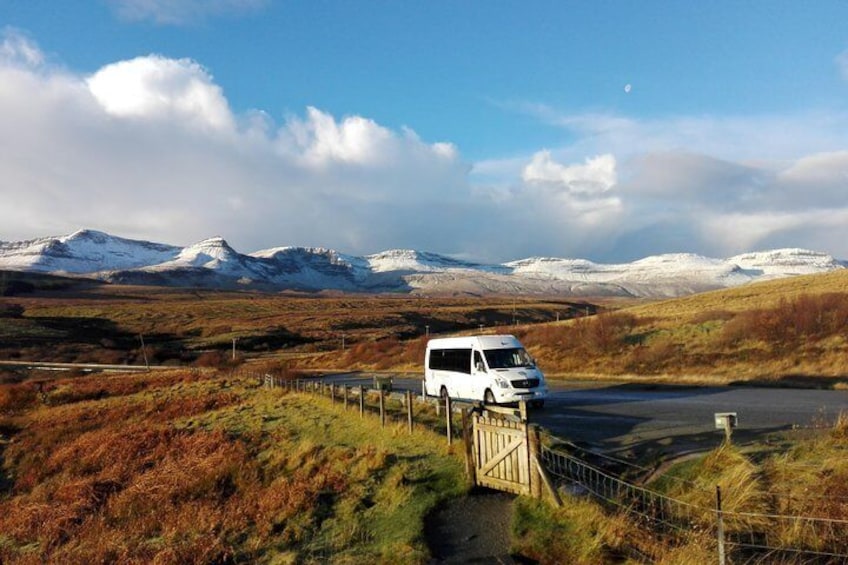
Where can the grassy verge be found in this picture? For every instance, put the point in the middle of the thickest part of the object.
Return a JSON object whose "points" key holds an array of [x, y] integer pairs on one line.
{"points": [[197, 468], [808, 479]]}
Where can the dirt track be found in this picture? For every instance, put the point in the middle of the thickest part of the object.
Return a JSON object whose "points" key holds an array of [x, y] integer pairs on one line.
{"points": [[472, 529]]}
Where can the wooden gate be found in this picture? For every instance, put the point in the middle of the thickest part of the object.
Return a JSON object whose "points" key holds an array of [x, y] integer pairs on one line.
{"points": [[501, 454]]}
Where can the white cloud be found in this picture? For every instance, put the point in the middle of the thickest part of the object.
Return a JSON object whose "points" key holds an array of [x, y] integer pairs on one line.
{"points": [[155, 87], [732, 138], [320, 140], [705, 184], [150, 148], [19, 49], [596, 175], [181, 12]]}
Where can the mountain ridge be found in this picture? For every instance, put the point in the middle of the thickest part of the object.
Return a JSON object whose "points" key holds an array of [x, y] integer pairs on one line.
{"points": [[212, 262]]}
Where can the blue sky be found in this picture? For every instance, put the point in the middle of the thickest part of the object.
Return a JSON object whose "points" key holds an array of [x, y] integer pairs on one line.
{"points": [[487, 130]]}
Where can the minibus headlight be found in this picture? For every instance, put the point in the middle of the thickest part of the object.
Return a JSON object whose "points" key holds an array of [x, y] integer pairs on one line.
{"points": [[503, 383]]}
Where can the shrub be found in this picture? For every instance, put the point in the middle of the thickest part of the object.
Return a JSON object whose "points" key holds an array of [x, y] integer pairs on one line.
{"points": [[606, 333], [11, 310], [712, 316], [218, 359], [653, 358], [792, 322], [16, 397]]}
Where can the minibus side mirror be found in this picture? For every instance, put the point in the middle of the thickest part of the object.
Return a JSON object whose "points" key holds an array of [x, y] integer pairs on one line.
{"points": [[480, 367]]}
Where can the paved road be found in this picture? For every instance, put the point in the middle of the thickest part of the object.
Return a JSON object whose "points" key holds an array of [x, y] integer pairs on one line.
{"points": [[638, 420]]}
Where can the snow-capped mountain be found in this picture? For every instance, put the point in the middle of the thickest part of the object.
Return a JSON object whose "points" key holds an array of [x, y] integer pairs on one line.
{"points": [[82, 252], [213, 263]]}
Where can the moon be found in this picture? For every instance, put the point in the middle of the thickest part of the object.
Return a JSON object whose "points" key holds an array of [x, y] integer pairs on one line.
{"points": [[627, 88]]}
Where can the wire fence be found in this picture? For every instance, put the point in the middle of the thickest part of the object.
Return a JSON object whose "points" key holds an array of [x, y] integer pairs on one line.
{"points": [[747, 536]]}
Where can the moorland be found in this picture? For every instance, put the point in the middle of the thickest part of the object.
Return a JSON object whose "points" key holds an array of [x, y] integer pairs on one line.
{"points": [[200, 464], [789, 331]]}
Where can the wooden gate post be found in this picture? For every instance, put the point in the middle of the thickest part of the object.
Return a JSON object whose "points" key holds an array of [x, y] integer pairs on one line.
{"points": [[533, 449], [467, 435]]}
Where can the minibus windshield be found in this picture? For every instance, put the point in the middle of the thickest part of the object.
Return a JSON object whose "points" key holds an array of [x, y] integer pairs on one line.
{"points": [[508, 358]]}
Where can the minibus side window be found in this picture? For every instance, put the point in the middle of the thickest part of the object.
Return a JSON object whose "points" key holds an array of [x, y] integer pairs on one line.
{"points": [[456, 360]]}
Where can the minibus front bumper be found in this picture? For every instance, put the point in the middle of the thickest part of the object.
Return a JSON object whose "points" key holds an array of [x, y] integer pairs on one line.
{"points": [[508, 396]]}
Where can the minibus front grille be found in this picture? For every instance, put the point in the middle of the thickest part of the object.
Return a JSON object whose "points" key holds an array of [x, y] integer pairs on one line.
{"points": [[526, 383]]}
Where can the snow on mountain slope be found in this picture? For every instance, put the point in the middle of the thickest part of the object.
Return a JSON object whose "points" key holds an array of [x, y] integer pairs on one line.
{"points": [[785, 262], [313, 267], [212, 262], [84, 251], [214, 254], [417, 262]]}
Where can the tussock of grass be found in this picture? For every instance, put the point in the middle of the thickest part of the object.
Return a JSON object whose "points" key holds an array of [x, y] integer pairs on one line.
{"points": [[582, 533], [578, 533], [810, 480], [741, 482]]}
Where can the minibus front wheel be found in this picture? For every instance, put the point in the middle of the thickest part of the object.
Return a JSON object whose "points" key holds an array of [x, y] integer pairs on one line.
{"points": [[488, 397]]}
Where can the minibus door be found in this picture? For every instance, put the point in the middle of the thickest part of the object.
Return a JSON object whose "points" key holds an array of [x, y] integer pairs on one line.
{"points": [[479, 377]]}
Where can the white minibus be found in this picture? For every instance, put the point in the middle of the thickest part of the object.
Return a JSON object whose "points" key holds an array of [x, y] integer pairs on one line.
{"points": [[493, 368]]}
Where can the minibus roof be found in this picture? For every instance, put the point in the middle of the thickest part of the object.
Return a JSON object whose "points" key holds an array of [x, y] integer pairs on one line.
{"points": [[479, 341]]}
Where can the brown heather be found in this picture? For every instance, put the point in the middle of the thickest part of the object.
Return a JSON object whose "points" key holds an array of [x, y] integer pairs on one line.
{"points": [[197, 467]]}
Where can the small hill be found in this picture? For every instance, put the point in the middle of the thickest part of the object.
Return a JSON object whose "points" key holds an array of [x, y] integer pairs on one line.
{"points": [[756, 295], [789, 331]]}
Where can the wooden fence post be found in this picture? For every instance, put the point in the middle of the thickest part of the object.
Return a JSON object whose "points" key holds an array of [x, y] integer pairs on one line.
{"points": [[449, 419], [382, 408], [409, 409], [722, 557], [361, 401], [333, 392], [345, 396]]}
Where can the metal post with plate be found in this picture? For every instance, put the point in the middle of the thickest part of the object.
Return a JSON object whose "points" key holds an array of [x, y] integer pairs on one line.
{"points": [[726, 421]]}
